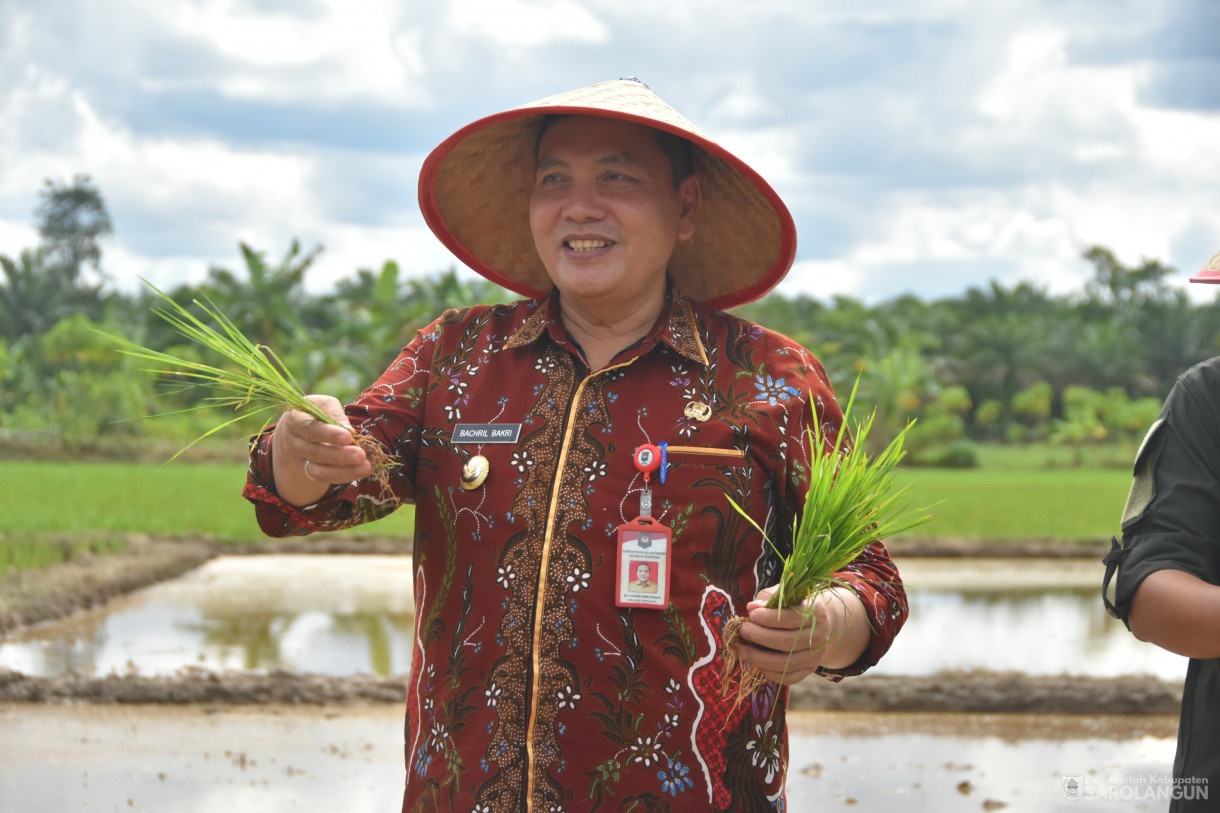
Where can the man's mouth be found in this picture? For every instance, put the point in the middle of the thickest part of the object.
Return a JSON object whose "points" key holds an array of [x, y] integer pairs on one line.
{"points": [[587, 245]]}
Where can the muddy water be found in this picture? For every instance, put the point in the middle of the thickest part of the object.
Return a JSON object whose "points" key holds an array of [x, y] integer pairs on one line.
{"points": [[188, 760], [344, 615]]}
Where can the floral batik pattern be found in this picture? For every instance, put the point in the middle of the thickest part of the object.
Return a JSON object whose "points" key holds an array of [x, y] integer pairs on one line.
{"points": [[530, 689]]}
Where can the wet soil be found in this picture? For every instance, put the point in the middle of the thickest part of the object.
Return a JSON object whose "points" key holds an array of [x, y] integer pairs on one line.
{"points": [[218, 759], [975, 691], [30, 597], [950, 546], [985, 691]]}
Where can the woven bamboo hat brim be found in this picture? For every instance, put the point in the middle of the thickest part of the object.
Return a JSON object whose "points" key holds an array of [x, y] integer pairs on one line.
{"points": [[1210, 272], [474, 191]]}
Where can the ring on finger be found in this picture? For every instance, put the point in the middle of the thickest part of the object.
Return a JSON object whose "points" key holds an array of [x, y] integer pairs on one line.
{"points": [[306, 467]]}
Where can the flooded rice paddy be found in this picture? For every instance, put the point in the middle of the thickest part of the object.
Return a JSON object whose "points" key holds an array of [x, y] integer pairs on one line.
{"points": [[341, 615], [334, 615]]}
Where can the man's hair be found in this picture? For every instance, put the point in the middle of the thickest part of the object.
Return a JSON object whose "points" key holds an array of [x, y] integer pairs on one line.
{"points": [[679, 151]]}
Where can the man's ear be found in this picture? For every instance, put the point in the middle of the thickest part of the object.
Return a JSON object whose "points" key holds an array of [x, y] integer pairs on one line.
{"points": [[689, 196]]}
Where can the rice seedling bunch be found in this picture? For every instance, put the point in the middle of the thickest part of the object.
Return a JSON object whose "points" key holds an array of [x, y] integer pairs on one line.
{"points": [[254, 381], [850, 505]]}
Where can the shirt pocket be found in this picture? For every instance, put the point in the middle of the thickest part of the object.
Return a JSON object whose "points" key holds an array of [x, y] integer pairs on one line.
{"points": [[1143, 484], [699, 477]]}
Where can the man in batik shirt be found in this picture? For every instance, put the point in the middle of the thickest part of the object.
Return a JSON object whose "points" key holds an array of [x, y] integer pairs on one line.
{"points": [[553, 444]]}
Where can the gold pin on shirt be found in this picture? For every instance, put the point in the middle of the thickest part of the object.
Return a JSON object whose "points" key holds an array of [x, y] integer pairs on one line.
{"points": [[697, 411], [475, 472]]}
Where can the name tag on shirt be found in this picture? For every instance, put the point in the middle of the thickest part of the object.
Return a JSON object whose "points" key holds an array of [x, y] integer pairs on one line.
{"points": [[486, 432]]}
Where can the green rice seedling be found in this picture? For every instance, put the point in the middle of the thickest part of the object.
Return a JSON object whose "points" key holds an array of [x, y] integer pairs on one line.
{"points": [[850, 505], [34, 552], [28, 554], [255, 381]]}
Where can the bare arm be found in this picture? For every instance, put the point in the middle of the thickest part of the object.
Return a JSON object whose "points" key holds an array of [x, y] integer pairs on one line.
{"points": [[331, 455], [1178, 612], [830, 631]]}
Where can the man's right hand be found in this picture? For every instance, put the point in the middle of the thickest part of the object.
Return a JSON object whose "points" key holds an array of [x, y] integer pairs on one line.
{"points": [[308, 456]]}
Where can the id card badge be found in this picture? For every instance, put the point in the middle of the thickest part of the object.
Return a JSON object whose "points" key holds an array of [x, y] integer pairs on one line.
{"points": [[643, 564]]}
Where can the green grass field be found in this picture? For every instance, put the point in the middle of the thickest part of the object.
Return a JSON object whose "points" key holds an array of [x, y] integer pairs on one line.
{"points": [[182, 498], [1019, 503]]}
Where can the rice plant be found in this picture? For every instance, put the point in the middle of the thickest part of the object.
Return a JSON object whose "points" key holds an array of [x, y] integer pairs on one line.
{"points": [[255, 380], [849, 506]]}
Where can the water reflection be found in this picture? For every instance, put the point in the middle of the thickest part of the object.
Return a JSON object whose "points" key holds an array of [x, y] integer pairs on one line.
{"points": [[326, 643], [332, 615], [1040, 617], [1061, 632], [342, 615]]}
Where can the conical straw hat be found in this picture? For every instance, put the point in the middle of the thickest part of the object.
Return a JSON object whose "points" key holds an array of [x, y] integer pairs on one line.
{"points": [[1209, 272], [474, 191]]}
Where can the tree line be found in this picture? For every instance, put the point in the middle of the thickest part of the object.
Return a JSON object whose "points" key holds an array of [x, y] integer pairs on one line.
{"points": [[1006, 364]]}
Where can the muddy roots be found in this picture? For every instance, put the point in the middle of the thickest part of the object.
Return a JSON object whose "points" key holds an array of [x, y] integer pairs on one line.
{"points": [[379, 459], [740, 680]]}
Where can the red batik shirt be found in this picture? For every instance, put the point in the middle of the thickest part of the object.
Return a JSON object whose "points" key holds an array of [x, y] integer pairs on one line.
{"points": [[529, 688]]}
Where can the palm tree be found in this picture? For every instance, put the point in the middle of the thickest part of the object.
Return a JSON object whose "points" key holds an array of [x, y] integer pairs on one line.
{"points": [[72, 223], [1003, 340], [35, 295], [269, 304]]}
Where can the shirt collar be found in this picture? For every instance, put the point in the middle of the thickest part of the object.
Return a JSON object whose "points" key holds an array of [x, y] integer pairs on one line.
{"points": [[677, 326]]}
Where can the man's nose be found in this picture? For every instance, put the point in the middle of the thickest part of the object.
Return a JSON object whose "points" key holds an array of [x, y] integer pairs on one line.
{"points": [[583, 203]]}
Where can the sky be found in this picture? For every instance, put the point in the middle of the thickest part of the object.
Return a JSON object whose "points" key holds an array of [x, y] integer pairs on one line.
{"points": [[923, 146]]}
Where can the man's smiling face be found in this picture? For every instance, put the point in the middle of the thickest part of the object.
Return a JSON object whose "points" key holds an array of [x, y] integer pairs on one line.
{"points": [[604, 213]]}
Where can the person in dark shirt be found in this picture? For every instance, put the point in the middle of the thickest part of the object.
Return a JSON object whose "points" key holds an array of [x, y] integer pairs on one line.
{"points": [[1163, 579]]}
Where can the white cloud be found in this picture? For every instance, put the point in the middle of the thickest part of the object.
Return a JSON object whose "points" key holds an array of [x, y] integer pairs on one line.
{"points": [[824, 279], [1183, 145], [772, 152], [350, 247], [16, 236], [1041, 105], [221, 187], [338, 51], [527, 23], [925, 134]]}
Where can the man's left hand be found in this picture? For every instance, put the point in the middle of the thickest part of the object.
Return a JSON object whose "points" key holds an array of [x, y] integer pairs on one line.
{"points": [[829, 630]]}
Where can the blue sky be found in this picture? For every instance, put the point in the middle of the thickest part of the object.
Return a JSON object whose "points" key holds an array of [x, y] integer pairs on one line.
{"points": [[923, 146]]}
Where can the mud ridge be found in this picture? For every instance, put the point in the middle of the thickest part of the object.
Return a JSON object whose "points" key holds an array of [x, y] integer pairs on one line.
{"points": [[992, 692], [981, 548], [974, 691], [32, 596], [200, 686]]}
